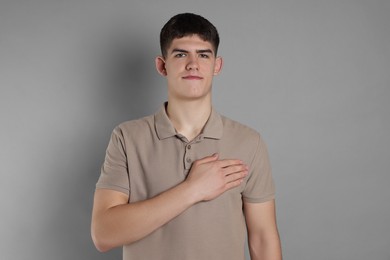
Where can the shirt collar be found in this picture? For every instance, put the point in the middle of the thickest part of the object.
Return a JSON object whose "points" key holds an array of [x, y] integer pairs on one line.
{"points": [[164, 128]]}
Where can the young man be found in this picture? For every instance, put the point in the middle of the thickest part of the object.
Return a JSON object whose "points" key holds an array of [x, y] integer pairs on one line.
{"points": [[186, 182]]}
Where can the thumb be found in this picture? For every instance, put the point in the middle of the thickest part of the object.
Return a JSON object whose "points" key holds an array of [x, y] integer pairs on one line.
{"points": [[208, 159]]}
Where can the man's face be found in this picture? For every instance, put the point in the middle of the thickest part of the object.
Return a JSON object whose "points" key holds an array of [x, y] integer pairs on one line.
{"points": [[189, 67]]}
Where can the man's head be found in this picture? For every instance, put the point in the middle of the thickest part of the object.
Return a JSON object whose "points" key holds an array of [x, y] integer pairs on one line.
{"points": [[189, 61], [188, 24]]}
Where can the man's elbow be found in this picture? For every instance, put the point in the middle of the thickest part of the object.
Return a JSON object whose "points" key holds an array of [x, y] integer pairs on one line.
{"points": [[101, 243]]}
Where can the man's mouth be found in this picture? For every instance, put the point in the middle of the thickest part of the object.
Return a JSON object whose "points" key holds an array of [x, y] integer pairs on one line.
{"points": [[191, 77]]}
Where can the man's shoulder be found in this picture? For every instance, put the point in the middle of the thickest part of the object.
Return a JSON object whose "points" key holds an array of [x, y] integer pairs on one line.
{"points": [[243, 139], [135, 126], [237, 129]]}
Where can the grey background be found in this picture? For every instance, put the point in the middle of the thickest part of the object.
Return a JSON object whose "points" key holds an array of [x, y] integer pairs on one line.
{"points": [[312, 76]]}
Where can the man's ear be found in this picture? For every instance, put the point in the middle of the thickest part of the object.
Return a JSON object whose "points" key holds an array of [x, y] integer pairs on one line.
{"points": [[218, 65], [160, 65]]}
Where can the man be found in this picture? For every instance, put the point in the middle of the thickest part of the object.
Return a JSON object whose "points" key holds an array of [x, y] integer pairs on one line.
{"points": [[186, 182]]}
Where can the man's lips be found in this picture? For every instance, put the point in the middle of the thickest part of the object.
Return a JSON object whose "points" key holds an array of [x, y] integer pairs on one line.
{"points": [[192, 77]]}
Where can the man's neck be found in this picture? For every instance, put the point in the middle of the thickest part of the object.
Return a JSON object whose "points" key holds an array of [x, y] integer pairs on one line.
{"points": [[189, 117]]}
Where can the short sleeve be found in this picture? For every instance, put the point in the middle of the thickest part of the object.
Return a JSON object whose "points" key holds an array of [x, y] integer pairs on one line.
{"points": [[260, 185], [114, 172]]}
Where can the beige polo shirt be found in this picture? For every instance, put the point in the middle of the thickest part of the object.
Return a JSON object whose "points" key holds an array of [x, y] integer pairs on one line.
{"points": [[147, 156]]}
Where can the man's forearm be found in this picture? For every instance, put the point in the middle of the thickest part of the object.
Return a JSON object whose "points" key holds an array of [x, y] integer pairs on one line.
{"points": [[116, 222], [127, 223], [265, 249]]}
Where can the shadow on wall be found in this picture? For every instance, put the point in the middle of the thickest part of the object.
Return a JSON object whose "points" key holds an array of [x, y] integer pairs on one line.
{"points": [[120, 90], [125, 77]]}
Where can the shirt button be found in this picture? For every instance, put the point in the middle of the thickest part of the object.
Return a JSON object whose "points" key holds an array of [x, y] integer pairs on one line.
{"points": [[189, 147], [188, 160]]}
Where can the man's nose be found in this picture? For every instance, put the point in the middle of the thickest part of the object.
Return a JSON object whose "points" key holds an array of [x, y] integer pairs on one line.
{"points": [[192, 63]]}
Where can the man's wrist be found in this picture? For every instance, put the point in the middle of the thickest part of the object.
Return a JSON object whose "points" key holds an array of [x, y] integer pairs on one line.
{"points": [[190, 193]]}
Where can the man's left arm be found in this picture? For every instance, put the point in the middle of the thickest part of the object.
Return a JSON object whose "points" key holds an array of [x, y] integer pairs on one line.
{"points": [[263, 236]]}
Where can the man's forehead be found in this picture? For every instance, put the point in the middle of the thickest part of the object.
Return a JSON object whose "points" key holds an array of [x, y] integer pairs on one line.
{"points": [[193, 42]]}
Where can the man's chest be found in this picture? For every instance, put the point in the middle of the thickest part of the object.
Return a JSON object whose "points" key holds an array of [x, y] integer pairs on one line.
{"points": [[154, 168]]}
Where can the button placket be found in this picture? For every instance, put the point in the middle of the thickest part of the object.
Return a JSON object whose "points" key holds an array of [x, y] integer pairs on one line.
{"points": [[188, 157]]}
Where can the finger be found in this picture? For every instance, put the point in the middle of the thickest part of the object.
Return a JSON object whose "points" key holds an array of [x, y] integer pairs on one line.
{"points": [[208, 159], [233, 184], [234, 169], [229, 162], [236, 176]]}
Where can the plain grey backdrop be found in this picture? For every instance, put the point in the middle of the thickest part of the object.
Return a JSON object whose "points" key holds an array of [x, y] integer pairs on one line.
{"points": [[312, 76]]}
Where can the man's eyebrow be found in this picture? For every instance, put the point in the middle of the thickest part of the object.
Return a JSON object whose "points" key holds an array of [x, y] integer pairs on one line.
{"points": [[179, 50], [197, 51], [204, 51]]}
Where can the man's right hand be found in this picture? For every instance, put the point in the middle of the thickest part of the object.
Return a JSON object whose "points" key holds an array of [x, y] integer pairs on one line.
{"points": [[210, 177]]}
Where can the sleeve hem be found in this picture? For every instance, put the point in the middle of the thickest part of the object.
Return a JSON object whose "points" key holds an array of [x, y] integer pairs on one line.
{"points": [[259, 200], [113, 187]]}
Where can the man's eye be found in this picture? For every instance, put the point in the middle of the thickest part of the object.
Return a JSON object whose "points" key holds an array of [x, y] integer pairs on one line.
{"points": [[202, 55], [180, 55]]}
